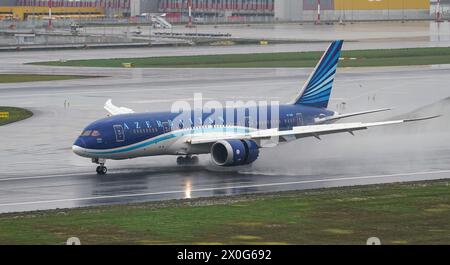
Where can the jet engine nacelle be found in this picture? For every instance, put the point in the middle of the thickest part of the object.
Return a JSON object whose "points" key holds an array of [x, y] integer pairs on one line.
{"points": [[234, 152]]}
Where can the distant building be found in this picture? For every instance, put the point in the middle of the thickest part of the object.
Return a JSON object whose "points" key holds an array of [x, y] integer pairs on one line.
{"points": [[256, 10], [25, 9], [444, 8], [351, 10], [8, 2], [218, 10], [139, 7], [39, 9], [296, 10]]}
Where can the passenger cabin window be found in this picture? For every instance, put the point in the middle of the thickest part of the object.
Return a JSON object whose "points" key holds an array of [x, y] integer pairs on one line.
{"points": [[144, 130]]}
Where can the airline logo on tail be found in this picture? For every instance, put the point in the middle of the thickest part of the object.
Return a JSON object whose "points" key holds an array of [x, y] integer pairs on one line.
{"points": [[317, 90]]}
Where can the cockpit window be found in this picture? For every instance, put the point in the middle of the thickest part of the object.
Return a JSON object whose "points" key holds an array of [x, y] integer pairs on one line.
{"points": [[86, 133], [95, 133]]}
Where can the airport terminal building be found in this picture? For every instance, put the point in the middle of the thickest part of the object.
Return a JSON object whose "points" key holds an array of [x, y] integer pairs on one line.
{"points": [[236, 11]]}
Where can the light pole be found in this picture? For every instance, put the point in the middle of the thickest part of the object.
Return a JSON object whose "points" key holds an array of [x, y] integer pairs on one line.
{"points": [[49, 14], [318, 13], [189, 25], [403, 11], [352, 13], [438, 11], [150, 32], [217, 11]]}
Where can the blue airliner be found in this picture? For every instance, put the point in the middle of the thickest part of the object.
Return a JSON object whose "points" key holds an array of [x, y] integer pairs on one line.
{"points": [[125, 134]]}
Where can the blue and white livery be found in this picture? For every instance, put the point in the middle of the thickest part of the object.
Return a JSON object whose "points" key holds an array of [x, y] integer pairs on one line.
{"points": [[317, 90], [126, 134]]}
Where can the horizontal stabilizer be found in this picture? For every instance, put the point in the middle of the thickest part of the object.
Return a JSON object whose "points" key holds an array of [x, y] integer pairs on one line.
{"points": [[114, 110], [347, 115], [422, 118]]}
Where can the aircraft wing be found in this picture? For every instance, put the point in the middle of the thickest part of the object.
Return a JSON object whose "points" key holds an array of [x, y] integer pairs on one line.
{"points": [[114, 110], [265, 138]]}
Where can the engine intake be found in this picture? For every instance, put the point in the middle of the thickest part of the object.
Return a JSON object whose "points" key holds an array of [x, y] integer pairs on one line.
{"points": [[234, 152]]}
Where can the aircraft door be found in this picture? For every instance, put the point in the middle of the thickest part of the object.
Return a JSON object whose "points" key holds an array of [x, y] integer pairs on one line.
{"points": [[247, 121], [166, 126], [299, 119], [120, 134]]}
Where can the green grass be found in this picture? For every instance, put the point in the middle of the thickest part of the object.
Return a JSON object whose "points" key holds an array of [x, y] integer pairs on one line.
{"points": [[15, 114], [384, 57], [17, 78], [396, 213]]}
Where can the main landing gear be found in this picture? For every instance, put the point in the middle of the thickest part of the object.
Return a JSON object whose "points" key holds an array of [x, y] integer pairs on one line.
{"points": [[187, 160], [101, 169]]}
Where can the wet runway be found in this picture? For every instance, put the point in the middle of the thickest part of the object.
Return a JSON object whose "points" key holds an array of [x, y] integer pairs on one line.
{"points": [[159, 183], [39, 171], [424, 31]]}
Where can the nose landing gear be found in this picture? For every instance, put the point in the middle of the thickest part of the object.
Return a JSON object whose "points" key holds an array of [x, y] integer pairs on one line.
{"points": [[187, 160], [101, 169]]}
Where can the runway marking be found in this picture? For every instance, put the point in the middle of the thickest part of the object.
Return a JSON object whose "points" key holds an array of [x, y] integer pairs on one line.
{"points": [[224, 188], [134, 90], [49, 176], [70, 86]]}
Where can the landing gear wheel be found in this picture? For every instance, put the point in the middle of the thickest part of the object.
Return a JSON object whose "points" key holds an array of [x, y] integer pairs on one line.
{"points": [[101, 170], [181, 160], [194, 160], [187, 160]]}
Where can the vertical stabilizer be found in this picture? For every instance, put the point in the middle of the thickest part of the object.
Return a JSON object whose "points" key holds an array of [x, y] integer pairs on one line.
{"points": [[317, 89]]}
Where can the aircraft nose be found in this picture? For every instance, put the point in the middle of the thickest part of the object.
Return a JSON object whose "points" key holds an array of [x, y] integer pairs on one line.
{"points": [[78, 146], [80, 142]]}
